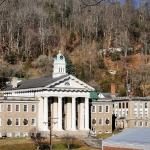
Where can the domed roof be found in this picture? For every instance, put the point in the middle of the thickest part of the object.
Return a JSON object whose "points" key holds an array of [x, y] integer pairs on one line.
{"points": [[59, 58]]}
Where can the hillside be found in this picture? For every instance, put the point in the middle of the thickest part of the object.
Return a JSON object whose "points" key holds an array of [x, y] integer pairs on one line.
{"points": [[97, 38]]}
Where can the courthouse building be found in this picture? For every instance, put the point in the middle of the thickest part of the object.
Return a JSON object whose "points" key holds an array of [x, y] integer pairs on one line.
{"points": [[62, 97]]}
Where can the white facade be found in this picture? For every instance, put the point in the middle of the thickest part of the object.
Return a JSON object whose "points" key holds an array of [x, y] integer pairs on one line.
{"points": [[65, 99]]}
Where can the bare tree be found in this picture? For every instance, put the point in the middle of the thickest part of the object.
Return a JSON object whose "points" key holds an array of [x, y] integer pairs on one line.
{"points": [[69, 140]]}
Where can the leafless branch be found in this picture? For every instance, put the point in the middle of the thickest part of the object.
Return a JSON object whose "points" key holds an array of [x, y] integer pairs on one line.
{"points": [[97, 2], [2, 2]]}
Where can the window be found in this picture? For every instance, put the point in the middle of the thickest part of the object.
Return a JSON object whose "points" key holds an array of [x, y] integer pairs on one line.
{"points": [[116, 113], [135, 124], [119, 105], [113, 105], [94, 121], [100, 108], [25, 121], [17, 108], [126, 105], [9, 134], [93, 108], [135, 105], [33, 108], [127, 113], [17, 134], [126, 123], [107, 121], [32, 122], [8, 107], [17, 122], [67, 84], [146, 105], [123, 105], [107, 108], [146, 113], [25, 108], [135, 113], [141, 124], [146, 124], [100, 121], [141, 113], [1, 107], [9, 122], [25, 134], [116, 105], [141, 105], [0, 121]]}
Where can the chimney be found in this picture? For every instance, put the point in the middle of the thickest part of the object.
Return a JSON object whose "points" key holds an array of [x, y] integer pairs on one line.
{"points": [[113, 89], [14, 82]]}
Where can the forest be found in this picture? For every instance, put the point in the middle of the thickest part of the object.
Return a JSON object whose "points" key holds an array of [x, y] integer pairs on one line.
{"points": [[97, 36]]}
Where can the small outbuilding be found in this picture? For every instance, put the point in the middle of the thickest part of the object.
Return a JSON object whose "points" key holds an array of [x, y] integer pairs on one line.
{"points": [[137, 138]]}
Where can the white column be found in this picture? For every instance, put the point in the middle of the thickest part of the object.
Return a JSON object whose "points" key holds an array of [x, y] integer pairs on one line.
{"points": [[86, 113], [60, 113], [40, 114], [45, 114], [73, 119], [82, 115], [55, 114], [68, 114]]}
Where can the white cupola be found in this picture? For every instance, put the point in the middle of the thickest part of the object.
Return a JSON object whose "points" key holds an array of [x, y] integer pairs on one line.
{"points": [[59, 66]]}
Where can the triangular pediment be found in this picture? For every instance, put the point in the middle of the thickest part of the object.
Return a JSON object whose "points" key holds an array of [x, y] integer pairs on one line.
{"points": [[70, 82]]}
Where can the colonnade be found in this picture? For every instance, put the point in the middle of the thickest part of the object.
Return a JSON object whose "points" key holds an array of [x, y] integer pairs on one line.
{"points": [[71, 119]]}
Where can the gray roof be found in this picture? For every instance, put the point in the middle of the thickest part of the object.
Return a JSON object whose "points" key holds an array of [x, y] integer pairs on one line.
{"points": [[108, 95], [34, 83], [139, 135]]}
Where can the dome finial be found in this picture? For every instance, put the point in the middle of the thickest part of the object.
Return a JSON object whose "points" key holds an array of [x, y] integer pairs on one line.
{"points": [[59, 51]]}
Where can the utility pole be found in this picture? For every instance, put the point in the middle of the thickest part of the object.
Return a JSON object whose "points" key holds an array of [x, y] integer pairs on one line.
{"points": [[50, 133], [50, 121]]}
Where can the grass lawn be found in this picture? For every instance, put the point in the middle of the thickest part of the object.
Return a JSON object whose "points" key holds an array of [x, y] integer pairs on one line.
{"points": [[106, 135], [26, 144]]}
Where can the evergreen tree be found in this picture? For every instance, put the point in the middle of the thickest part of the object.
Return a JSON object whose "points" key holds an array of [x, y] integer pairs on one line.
{"points": [[69, 66]]}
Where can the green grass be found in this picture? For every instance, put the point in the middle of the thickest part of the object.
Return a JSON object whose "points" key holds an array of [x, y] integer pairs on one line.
{"points": [[107, 135]]}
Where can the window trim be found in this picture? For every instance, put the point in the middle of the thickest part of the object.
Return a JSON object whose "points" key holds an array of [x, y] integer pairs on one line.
{"points": [[101, 108], [10, 107], [105, 121], [140, 124], [18, 121], [26, 124], [19, 108], [34, 122], [34, 108], [145, 123], [23, 108], [95, 109], [106, 109], [11, 121]]}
